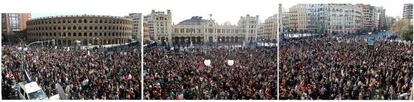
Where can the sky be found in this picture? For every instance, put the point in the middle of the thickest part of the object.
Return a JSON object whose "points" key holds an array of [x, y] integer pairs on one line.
{"points": [[392, 8], [221, 10]]}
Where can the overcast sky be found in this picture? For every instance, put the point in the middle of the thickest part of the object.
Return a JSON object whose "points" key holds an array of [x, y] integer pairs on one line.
{"points": [[222, 10], [393, 8]]}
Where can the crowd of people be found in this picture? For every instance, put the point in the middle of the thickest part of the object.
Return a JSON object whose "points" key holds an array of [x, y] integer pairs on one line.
{"points": [[343, 68], [182, 74], [107, 73]]}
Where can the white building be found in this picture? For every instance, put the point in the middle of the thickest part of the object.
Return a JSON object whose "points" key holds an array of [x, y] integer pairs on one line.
{"points": [[248, 24], [137, 22], [342, 18], [196, 30], [326, 18], [408, 11], [269, 29], [199, 31], [158, 26]]}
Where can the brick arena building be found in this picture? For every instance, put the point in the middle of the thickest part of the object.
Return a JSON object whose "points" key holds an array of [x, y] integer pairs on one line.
{"points": [[80, 29]]}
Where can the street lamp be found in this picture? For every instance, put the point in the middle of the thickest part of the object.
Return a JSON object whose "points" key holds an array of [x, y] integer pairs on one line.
{"points": [[26, 47]]}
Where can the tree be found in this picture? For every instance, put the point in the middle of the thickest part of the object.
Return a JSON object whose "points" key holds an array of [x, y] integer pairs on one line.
{"points": [[403, 28]]}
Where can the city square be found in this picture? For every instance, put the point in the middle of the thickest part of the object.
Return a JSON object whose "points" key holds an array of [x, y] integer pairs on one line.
{"points": [[200, 59], [70, 57], [208, 50], [337, 51]]}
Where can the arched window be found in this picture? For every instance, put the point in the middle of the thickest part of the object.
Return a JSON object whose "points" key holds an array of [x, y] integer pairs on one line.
{"points": [[74, 28], [74, 21]]}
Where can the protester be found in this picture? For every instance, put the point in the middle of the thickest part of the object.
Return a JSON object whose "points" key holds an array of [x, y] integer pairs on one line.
{"points": [[182, 73], [344, 68], [112, 73]]}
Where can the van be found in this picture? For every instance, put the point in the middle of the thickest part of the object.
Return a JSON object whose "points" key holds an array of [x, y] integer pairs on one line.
{"points": [[31, 91]]}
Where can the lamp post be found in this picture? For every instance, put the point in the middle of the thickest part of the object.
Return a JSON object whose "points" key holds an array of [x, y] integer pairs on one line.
{"points": [[25, 48]]}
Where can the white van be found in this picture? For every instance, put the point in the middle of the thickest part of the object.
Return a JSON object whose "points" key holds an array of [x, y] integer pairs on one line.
{"points": [[31, 91]]}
